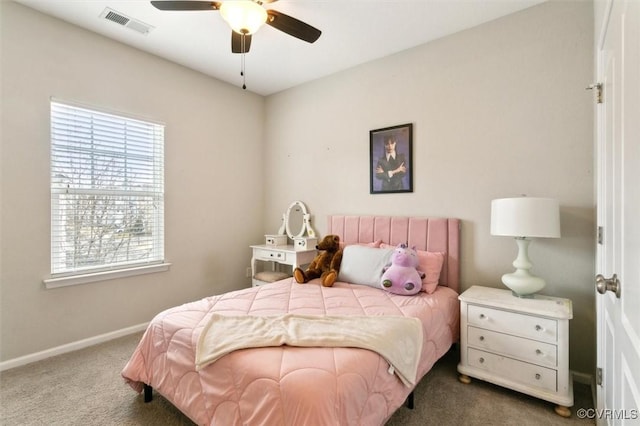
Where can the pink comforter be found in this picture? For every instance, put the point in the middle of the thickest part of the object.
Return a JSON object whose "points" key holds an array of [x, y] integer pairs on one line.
{"points": [[287, 385]]}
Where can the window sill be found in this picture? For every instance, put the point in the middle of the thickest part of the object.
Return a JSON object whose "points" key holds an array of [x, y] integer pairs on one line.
{"points": [[105, 275]]}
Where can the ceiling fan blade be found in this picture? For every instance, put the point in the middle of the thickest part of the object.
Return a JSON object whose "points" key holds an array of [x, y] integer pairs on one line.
{"points": [[236, 42], [186, 5], [292, 26]]}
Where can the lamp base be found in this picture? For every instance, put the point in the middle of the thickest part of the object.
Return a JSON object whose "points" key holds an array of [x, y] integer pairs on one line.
{"points": [[522, 283]]}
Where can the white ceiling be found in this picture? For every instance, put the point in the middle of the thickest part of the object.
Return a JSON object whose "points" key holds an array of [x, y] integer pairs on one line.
{"points": [[353, 32]]}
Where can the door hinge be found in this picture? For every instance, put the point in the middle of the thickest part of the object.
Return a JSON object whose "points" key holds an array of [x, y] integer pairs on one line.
{"points": [[600, 235], [599, 376], [598, 91]]}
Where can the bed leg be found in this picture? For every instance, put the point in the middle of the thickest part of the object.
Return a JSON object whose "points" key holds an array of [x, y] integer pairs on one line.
{"points": [[148, 392], [409, 401]]}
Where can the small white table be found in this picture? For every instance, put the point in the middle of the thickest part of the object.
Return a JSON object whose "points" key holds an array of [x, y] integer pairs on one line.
{"points": [[284, 255], [519, 343]]}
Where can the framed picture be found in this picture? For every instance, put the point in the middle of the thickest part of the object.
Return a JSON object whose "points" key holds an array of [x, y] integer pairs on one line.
{"points": [[391, 159]]}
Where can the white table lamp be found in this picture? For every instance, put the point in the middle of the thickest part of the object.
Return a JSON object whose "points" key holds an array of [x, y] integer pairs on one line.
{"points": [[524, 218]]}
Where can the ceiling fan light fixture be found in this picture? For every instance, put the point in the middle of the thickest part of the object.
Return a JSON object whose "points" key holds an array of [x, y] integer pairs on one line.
{"points": [[243, 16]]}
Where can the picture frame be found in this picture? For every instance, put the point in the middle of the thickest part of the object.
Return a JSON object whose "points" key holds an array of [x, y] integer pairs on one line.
{"points": [[394, 172]]}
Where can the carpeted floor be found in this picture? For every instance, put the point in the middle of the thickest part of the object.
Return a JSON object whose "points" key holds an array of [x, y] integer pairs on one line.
{"points": [[85, 388]]}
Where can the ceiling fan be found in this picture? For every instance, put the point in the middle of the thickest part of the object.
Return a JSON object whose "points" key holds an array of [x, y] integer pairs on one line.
{"points": [[245, 17]]}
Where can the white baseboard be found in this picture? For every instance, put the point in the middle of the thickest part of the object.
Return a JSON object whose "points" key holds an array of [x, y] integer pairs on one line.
{"points": [[70, 347], [584, 378]]}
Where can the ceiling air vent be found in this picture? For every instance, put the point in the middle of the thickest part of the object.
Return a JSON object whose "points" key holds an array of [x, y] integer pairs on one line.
{"points": [[125, 21]]}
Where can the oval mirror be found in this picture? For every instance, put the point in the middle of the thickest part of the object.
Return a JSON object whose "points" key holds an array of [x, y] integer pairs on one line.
{"points": [[294, 220]]}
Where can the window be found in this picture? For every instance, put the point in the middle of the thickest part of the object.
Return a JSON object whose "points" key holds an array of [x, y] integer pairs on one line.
{"points": [[107, 192]]}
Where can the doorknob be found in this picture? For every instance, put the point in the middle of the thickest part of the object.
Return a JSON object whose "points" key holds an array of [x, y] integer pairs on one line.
{"points": [[608, 284]]}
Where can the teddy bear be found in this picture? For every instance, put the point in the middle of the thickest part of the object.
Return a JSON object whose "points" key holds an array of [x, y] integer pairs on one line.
{"points": [[402, 275], [325, 265]]}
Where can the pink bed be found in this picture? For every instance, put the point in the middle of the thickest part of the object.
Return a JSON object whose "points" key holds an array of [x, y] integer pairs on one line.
{"points": [[303, 385]]}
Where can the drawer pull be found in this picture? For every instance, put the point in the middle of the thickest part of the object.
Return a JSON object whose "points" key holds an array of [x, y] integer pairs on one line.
{"points": [[538, 376], [481, 360], [482, 316], [538, 352], [538, 327], [481, 338]]}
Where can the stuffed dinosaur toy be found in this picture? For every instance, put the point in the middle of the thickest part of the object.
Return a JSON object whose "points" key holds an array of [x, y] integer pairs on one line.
{"points": [[402, 275], [325, 265]]}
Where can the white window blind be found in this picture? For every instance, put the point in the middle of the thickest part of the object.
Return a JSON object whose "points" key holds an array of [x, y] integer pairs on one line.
{"points": [[107, 191]]}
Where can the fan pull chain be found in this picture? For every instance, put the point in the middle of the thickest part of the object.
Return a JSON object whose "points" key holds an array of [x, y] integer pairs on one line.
{"points": [[242, 47]]}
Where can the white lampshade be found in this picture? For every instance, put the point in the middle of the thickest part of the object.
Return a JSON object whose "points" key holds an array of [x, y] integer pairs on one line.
{"points": [[525, 217], [243, 16]]}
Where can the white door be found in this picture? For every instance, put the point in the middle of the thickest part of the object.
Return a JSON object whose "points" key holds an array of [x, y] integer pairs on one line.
{"points": [[618, 214]]}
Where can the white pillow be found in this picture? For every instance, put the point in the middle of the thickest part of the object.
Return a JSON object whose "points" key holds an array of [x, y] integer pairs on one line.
{"points": [[363, 265]]}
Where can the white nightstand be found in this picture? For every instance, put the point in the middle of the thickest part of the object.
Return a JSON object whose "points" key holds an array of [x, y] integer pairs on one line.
{"points": [[284, 255], [518, 343]]}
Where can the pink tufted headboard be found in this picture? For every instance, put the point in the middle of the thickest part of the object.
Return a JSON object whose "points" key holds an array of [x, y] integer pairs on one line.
{"points": [[431, 234]]}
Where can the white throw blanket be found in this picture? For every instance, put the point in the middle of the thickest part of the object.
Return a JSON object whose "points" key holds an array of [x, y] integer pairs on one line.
{"points": [[397, 339]]}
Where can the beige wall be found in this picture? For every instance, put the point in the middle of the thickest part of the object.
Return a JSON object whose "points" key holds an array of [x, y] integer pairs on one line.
{"points": [[213, 207], [498, 111]]}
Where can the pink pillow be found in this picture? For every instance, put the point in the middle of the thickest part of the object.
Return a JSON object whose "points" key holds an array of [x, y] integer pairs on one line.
{"points": [[374, 244], [430, 263]]}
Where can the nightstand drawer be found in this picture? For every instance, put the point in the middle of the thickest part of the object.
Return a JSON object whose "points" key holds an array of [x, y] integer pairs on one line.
{"points": [[543, 329], [278, 256], [528, 350], [518, 371]]}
